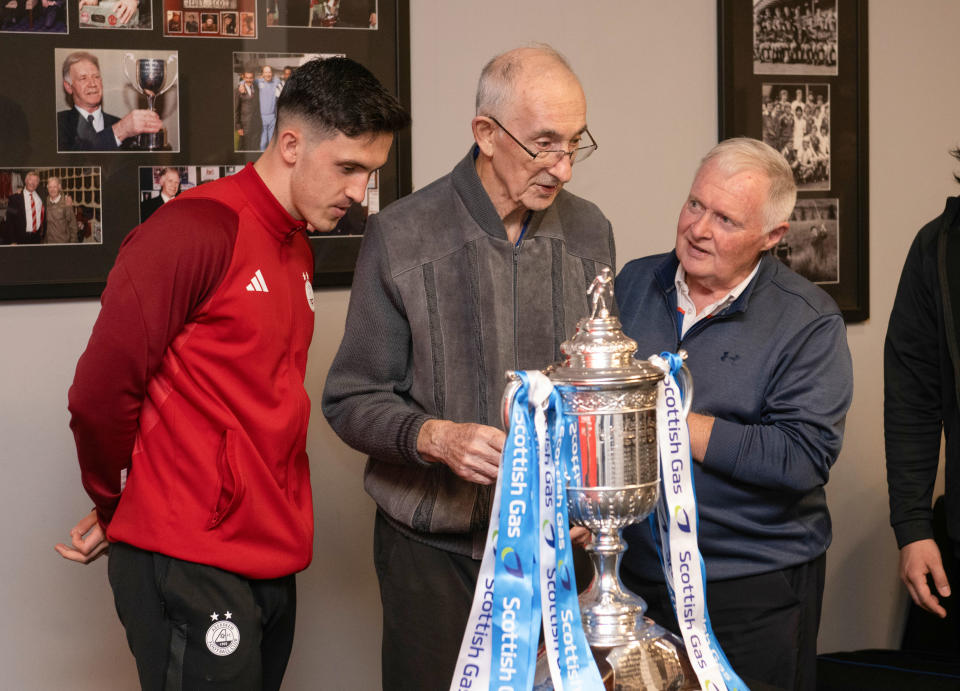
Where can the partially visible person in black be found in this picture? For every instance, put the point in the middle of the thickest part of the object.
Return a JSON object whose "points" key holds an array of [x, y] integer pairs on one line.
{"points": [[169, 188], [24, 223], [246, 119], [921, 395]]}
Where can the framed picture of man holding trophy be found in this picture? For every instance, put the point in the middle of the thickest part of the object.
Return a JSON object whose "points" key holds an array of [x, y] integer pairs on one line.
{"points": [[161, 101], [117, 101]]}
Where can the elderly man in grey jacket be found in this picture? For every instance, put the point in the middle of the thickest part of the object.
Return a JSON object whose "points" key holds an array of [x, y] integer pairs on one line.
{"points": [[483, 271]]}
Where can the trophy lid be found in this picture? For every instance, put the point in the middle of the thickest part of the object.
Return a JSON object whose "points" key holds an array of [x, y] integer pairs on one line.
{"points": [[599, 352]]}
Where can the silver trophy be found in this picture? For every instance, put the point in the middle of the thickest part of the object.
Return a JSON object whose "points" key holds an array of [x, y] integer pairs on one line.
{"points": [[613, 396], [150, 79]]}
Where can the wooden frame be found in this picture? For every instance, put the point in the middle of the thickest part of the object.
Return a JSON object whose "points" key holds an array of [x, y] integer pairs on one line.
{"points": [[28, 139], [776, 55]]}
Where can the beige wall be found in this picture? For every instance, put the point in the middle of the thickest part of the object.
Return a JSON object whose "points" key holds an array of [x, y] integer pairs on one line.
{"points": [[649, 70]]}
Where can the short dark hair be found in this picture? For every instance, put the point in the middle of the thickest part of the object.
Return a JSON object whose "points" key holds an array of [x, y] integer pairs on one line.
{"points": [[340, 95], [955, 152]]}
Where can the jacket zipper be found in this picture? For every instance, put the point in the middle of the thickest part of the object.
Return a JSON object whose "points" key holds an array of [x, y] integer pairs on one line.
{"points": [[516, 305]]}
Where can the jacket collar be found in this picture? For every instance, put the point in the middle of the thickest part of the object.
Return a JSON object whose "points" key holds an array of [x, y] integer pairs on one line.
{"points": [[666, 271], [274, 217], [467, 184]]}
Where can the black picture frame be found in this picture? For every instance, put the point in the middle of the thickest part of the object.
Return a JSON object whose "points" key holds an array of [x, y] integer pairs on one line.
{"points": [[756, 64], [28, 139]]}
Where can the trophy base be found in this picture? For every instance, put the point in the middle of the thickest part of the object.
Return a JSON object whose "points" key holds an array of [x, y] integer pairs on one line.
{"points": [[655, 661], [153, 141]]}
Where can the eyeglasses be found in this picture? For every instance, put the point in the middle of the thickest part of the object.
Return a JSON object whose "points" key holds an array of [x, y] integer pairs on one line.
{"points": [[550, 158]]}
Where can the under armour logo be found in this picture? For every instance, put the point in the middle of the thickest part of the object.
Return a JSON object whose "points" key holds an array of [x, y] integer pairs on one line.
{"points": [[727, 356]]}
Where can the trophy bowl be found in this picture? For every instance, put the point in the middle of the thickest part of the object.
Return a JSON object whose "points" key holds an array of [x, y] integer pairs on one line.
{"points": [[150, 79], [151, 74]]}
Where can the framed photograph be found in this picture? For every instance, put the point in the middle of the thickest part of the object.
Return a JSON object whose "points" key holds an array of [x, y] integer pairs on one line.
{"points": [[248, 24], [229, 23], [162, 184], [800, 130], [811, 246], [33, 17], [115, 14], [44, 206], [793, 73], [174, 23], [258, 79], [210, 23], [323, 14], [795, 37], [99, 91], [211, 18], [109, 189]]}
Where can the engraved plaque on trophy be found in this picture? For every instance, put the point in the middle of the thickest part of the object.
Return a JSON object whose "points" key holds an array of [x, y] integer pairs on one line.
{"points": [[150, 79]]}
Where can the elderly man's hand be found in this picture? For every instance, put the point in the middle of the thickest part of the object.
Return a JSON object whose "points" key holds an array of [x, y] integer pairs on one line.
{"points": [[580, 536], [471, 451], [137, 122]]}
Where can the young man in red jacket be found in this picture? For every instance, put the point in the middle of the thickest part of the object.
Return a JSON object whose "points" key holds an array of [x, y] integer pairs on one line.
{"points": [[188, 405]]}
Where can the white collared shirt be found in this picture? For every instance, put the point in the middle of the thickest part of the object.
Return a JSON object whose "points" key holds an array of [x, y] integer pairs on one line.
{"points": [[689, 311], [97, 117], [32, 224], [97, 123], [165, 198]]}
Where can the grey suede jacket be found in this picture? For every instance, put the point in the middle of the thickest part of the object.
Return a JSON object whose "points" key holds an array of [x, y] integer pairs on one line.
{"points": [[443, 304]]}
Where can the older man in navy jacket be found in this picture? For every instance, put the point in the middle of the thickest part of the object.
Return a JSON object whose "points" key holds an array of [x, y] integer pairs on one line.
{"points": [[773, 376]]}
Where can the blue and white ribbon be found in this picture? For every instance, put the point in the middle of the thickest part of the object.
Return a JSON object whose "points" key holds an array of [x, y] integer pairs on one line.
{"points": [[678, 523], [527, 567], [526, 575]]}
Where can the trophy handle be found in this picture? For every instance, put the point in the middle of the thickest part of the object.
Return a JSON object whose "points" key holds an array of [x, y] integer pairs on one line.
{"points": [[132, 60], [172, 58], [513, 384], [685, 380]]}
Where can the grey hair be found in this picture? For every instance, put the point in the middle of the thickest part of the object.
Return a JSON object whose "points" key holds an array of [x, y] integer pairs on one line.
{"points": [[500, 74], [738, 154], [73, 59]]}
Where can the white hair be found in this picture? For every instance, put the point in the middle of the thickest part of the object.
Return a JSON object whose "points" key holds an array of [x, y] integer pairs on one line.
{"points": [[736, 155]]}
